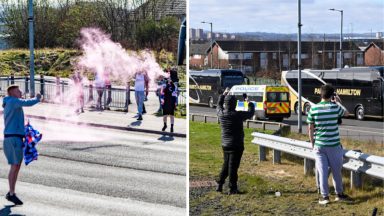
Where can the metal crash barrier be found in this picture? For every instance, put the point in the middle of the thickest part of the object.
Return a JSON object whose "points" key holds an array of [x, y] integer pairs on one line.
{"points": [[355, 162], [56, 90]]}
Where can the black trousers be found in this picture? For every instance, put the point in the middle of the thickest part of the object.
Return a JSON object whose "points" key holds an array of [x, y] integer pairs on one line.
{"points": [[230, 166]]}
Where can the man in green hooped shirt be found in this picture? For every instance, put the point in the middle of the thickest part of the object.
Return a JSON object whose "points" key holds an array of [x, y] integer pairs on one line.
{"points": [[323, 131]]}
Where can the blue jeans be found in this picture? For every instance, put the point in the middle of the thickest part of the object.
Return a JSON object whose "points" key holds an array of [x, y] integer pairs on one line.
{"points": [[139, 95]]}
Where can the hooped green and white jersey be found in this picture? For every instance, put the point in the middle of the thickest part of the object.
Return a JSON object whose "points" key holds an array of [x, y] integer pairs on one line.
{"points": [[324, 116]]}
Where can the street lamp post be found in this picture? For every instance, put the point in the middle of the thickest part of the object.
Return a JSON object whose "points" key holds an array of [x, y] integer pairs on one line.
{"points": [[299, 109], [211, 42], [31, 47], [341, 36]]}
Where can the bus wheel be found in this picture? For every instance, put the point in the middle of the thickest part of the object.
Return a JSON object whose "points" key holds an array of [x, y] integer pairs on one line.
{"points": [[307, 107], [296, 108], [359, 113], [210, 102]]}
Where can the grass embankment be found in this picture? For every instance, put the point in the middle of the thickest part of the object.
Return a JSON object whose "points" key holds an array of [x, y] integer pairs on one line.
{"points": [[260, 180]]}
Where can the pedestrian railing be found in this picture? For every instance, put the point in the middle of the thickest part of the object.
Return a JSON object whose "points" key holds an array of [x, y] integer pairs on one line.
{"points": [[58, 91], [354, 161], [284, 128]]}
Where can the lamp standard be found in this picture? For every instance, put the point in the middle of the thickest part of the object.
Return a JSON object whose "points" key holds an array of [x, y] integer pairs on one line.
{"points": [[210, 23], [31, 48], [341, 36]]}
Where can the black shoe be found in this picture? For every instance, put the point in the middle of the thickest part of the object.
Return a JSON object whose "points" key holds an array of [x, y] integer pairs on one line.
{"points": [[219, 188], [172, 128], [324, 200], [164, 127], [140, 118], [13, 199], [342, 197], [144, 112]]}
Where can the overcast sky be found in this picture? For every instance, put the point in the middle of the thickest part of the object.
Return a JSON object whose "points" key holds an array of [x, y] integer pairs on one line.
{"points": [[280, 16]]}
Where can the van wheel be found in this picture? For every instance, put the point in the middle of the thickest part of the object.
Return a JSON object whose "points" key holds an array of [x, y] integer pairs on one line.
{"points": [[359, 113], [307, 107], [210, 102]]}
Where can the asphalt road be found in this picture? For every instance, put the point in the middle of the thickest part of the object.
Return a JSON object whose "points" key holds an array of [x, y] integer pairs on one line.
{"points": [[96, 171], [371, 129]]}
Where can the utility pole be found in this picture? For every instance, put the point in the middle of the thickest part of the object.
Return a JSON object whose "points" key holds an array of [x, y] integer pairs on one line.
{"points": [[299, 125], [211, 41], [31, 49], [341, 36]]}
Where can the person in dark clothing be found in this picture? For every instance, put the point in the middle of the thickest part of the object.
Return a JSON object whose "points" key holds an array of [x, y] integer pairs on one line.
{"points": [[169, 104], [232, 137]]}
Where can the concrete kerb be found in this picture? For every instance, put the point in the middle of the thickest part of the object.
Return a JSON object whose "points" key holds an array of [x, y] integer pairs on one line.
{"points": [[106, 126]]}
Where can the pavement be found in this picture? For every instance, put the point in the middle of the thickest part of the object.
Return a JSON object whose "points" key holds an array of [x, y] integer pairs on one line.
{"points": [[370, 129], [85, 170], [106, 118]]}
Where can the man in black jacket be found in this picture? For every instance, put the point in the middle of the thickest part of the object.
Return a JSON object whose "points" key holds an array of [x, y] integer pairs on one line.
{"points": [[232, 136]]}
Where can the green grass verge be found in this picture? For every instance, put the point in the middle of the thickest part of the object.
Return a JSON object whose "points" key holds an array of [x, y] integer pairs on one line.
{"points": [[260, 180]]}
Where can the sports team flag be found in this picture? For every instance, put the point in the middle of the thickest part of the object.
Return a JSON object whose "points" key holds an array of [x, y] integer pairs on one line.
{"points": [[32, 137]]}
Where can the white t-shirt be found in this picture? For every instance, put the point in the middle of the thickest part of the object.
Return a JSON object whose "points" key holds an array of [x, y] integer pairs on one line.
{"points": [[139, 82]]}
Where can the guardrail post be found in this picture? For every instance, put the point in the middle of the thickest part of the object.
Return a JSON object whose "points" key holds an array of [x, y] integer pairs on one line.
{"points": [[57, 87], [193, 117], [276, 156], [26, 89], [247, 124], [263, 126], [262, 153], [218, 120], [62, 91], [205, 119], [104, 98], [126, 98], [90, 98], [12, 79], [309, 166], [42, 81], [355, 179]]}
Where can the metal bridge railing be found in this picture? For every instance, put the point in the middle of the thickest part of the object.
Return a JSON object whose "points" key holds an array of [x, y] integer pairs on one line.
{"points": [[58, 91], [354, 161]]}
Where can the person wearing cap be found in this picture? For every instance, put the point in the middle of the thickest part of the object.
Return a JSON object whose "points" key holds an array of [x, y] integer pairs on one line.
{"points": [[324, 136], [13, 135], [232, 136]]}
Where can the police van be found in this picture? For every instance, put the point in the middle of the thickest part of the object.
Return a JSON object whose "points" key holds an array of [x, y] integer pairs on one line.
{"points": [[271, 102]]}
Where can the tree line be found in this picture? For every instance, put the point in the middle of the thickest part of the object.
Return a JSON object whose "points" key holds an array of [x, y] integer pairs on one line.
{"points": [[133, 23]]}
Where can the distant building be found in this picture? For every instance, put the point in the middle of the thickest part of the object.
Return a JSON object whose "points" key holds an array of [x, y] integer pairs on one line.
{"points": [[199, 34], [374, 54], [192, 33], [259, 57], [198, 55]]}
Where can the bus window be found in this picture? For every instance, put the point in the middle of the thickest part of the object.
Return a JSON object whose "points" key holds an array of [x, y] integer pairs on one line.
{"points": [[229, 81]]}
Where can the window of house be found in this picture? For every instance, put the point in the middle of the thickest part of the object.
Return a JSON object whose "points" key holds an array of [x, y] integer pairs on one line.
{"points": [[263, 60], [348, 55], [359, 58], [274, 55], [285, 60], [330, 55]]}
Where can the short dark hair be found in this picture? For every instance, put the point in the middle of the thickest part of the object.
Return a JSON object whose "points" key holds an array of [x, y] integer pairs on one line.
{"points": [[327, 91], [11, 87]]}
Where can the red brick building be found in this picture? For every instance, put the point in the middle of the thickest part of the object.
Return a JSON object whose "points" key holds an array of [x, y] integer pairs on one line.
{"points": [[374, 54], [257, 58]]}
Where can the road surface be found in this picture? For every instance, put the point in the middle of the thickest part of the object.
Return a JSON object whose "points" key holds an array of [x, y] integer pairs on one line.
{"points": [[372, 129], [97, 171]]}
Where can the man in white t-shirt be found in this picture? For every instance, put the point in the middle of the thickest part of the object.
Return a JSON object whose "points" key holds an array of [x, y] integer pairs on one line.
{"points": [[141, 85]]}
